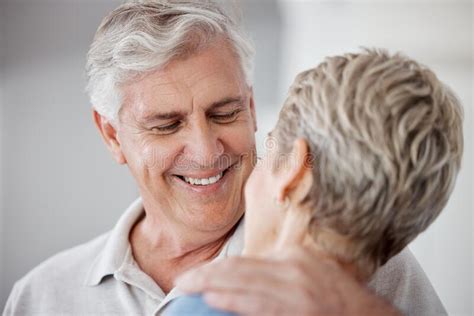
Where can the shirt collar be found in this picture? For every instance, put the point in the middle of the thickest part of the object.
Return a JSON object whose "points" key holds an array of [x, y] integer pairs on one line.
{"points": [[113, 255], [115, 251]]}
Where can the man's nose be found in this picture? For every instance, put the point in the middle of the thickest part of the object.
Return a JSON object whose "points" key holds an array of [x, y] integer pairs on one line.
{"points": [[204, 146]]}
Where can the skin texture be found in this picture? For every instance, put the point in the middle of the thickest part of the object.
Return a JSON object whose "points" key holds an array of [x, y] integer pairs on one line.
{"points": [[194, 118]]}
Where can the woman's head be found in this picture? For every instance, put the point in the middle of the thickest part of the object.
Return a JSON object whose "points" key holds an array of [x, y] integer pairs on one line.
{"points": [[384, 138]]}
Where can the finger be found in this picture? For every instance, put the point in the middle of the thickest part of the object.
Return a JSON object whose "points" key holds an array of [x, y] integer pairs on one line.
{"points": [[219, 273], [231, 272], [237, 274]]}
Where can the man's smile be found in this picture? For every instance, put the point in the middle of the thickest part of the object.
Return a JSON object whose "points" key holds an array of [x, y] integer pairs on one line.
{"points": [[203, 179]]}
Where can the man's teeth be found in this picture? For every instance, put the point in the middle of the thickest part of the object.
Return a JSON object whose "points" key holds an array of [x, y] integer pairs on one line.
{"points": [[204, 181]]}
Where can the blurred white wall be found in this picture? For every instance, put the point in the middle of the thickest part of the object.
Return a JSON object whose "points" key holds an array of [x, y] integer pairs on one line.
{"points": [[61, 188], [2, 132]]}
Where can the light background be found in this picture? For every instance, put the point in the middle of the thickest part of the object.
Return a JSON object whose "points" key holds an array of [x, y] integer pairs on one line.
{"points": [[59, 187]]}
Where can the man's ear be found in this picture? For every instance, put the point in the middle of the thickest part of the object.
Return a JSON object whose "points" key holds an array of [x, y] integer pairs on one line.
{"points": [[297, 176], [252, 110], [109, 135]]}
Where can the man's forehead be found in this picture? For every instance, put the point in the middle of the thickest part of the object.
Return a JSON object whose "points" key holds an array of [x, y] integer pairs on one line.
{"points": [[201, 79], [158, 100]]}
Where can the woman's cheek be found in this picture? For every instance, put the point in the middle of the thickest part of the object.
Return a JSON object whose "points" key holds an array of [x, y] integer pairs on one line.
{"points": [[255, 187]]}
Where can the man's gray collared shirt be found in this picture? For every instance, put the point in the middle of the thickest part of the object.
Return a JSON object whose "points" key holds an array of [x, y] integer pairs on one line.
{"points": [[101, 277]]}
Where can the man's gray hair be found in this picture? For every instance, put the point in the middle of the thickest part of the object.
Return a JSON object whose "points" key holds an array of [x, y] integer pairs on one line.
{"points": [[142, 36], [386, 138]]}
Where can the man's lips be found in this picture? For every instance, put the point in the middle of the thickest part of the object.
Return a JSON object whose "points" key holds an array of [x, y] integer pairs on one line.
{"points": [[203, 178]]}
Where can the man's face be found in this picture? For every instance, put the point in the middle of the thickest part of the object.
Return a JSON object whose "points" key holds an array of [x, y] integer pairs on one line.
{"points": [[187, 134]]}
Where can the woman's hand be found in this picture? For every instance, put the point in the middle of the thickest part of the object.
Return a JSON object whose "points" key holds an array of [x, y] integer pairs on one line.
{"points": [[295, 283]]}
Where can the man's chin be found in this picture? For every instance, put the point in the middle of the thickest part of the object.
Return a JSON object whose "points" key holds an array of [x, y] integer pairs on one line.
{"points": [[217, 222]]}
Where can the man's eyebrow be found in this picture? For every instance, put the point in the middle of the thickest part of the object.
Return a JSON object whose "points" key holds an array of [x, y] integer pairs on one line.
{"points": [[177, 114], [162, 116], [218, 104]]}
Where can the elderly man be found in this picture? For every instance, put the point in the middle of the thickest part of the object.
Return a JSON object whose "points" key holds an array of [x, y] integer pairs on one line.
{"points": [[170, 85]]}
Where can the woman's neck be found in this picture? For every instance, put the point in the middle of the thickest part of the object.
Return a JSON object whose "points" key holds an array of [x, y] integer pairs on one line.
{"points": [[318, 251]]}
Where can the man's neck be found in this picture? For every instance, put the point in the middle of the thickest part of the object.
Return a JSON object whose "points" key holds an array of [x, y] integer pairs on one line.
{"points": [[164, 253]]}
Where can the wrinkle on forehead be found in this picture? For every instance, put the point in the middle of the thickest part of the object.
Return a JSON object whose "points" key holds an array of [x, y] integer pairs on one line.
{"points": [[184, 84], [224, 63]]}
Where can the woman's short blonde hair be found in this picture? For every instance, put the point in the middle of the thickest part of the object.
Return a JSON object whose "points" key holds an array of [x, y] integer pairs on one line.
{"points": [[386, 138]]}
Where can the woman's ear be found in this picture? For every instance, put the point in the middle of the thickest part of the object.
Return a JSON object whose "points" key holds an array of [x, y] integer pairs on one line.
{"points": [[297, 176], [109, 135]]}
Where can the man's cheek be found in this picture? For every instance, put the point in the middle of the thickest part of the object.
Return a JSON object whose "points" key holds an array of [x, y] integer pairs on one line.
{"points": [[149, 158], [242, 142]]}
